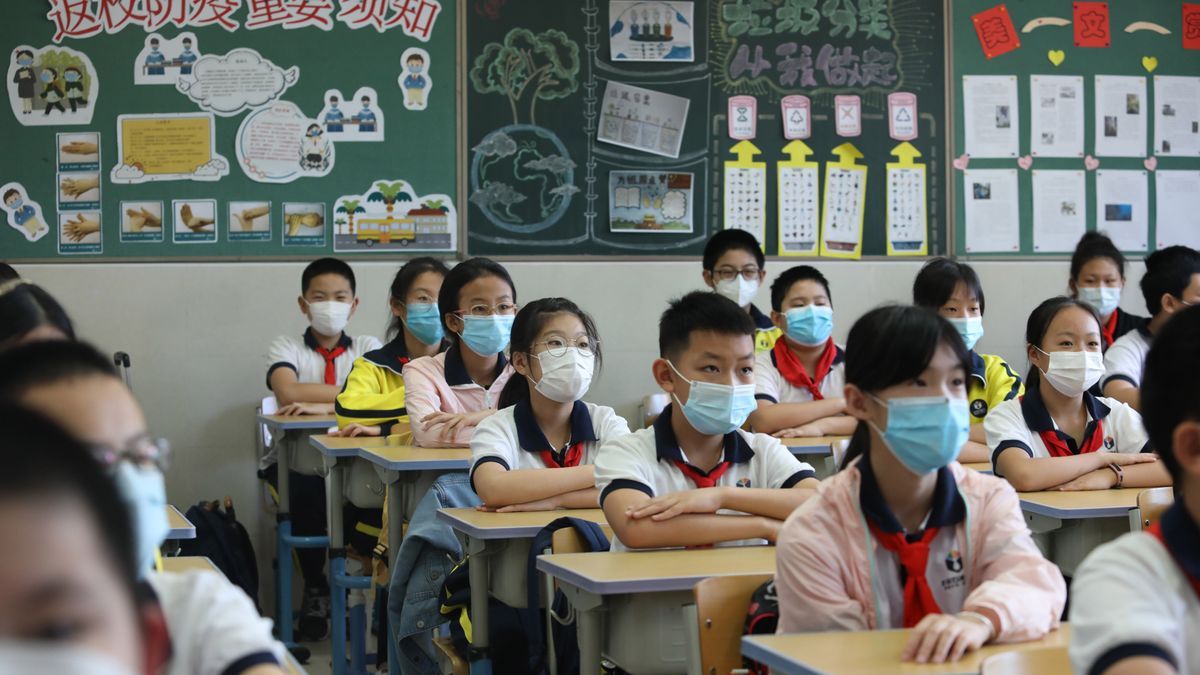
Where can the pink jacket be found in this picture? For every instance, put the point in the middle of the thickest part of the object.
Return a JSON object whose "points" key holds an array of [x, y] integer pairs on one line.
{"points": [[824, 570], [440, 384]]}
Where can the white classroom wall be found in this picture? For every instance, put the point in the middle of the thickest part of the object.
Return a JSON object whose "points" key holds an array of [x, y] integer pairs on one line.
{"points": [[198, 334]]}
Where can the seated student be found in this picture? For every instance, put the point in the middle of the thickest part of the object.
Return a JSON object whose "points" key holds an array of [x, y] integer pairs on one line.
{"points": [[213, 626], [372, 401], [733, 267], [543, 423], [68, 582], [28, 313], [1171, 283], [695, 478], [1135, 602], [904, 536], [953, 290], [1097, 278], [1058, 435], [449, 394], [798, 382], [306, 372]]}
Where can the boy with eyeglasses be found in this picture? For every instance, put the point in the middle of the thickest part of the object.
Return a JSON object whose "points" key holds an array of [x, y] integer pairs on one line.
{"points": [[733, 267]]}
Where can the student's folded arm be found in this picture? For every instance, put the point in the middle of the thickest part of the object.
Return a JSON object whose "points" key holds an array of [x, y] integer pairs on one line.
{"points": [[1020, 591], [1146, 475], [288, 389], [812, 592], [685, 530], [771, 417], [421, 399], [768, 502], [973, 451], [1124, 391], [1026, 474], [496, 485], [364, 401]]}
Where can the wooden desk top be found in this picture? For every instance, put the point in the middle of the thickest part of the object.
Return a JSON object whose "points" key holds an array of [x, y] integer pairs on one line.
{"points": [[813, 446], [524, 525], [189, 562], [1081, 504], [981, 467], [655, 571], [868, 652], [412, 458], [336, 446], [286, 422], [181, 527]]}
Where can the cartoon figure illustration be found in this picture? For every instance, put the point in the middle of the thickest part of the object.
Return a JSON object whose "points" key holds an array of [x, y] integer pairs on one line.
{"points": [[24, 215], [52, 93], [416, 82], [365, 117], [334, 117], [25, 79], [314, 150], [155, 60], [186, 58], [75, 93]]}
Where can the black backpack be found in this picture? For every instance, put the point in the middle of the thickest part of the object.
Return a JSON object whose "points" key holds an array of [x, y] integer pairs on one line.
{"points": [[224, 541], [761, 619]]}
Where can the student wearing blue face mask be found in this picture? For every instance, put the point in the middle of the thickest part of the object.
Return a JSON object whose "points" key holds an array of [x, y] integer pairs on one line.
{"points": [[74, 87], [953, 290], [1097, 278], [52, 93], [372, 402], [446, 396], [25, 79], [695, 478], [798, 382]]}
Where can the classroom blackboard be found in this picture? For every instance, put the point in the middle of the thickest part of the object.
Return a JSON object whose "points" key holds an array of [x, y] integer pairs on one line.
{"points": [[419, 146], [1144, 39], [535, 76]]}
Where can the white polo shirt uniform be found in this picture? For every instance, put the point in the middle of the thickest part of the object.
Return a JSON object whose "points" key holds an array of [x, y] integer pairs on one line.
{"points": [[772, 386], [1126, 358], [646, 460], [1025, 423], [513, 439], [1140, 596]]}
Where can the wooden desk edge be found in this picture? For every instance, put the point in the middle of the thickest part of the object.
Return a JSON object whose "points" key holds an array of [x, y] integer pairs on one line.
{"points": [[630, 585], [458, 524]]}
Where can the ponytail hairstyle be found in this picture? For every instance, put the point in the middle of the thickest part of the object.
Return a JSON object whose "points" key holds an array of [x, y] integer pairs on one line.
{"points": [[25, 306], [526, 327], [891, 345], [1094, 245], [462, 274], [405, 277], [1039, 322]]}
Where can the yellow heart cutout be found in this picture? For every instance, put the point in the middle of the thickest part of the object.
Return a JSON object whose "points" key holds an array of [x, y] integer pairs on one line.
{"points": [[1056, 56], [1149, 63]]}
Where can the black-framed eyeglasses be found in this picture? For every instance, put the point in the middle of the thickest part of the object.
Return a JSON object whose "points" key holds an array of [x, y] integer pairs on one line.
{"points": [[749, 273]]}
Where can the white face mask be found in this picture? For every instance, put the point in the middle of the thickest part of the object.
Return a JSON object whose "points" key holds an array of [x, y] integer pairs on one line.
{"points": [[565, 378], [1073, 373], [738, 289], [330, 317], [1104, 298], [55, 657]]}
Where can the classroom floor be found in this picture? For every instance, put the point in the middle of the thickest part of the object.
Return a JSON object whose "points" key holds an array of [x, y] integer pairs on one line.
{"points": [[319, 663]]}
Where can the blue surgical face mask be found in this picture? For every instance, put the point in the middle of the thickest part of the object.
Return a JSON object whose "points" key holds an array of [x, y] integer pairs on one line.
{"points": [[811, 325], [424, 322], [925, 432], [1104, 298], [716, 409], [71, 77], [25, 61], [487, 335], [16, 203], [970, 328], [145, 493], [47, 76]]}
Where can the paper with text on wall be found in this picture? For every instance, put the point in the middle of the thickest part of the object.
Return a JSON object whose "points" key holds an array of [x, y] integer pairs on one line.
{"points": [[745, 189], [1177, 201], [1123, 208], [844, 204], [992, 213], [799, 201], [907, 213], [1056, 116], [1059, 210]]}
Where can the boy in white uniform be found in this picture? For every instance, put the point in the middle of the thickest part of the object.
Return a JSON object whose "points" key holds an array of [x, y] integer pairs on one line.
{"points": [[695, 479], [1135, 602]]}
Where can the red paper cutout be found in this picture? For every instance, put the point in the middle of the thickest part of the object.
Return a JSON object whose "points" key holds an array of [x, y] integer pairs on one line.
{"points": [[995, 30], [1191, 25], [1091, 24]]}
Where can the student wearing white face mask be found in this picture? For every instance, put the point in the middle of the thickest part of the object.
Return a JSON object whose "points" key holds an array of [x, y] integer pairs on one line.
{"points": [[1097, 278], [536, 453], [1058, 435], [733, 267]]}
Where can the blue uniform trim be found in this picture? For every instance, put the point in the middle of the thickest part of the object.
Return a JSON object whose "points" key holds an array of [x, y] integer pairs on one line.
{"points": [[1119, 653], [948, 505], [666, 447], [625, 484]]}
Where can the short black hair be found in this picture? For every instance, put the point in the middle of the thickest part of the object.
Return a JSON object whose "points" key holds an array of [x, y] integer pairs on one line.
{"points": [[366, 98], [415, 57], [784, 282], [47, 362], [7, 273], [403, 281], [327, 266], [731, 240], [41, 460], [333, 99], [1094, 245], [25, 52], [50, 70], [936, 281], [1169, 394], [25, 306], [697, 311], [464, 273], [1168, 271], [10, 192], [72, 68], [528, 324], [1039, 322], [153, 40], [187, 39]]}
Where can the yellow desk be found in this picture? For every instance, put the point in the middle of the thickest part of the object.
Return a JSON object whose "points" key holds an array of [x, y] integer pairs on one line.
{"points": [[637, 607], [981, 467], [1068, 525], [824, 450], [187, 563], [181, 527], [869, 653]]}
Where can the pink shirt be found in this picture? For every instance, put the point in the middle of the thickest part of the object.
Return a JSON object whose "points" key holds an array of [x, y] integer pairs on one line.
{"points": [[440, 383]]}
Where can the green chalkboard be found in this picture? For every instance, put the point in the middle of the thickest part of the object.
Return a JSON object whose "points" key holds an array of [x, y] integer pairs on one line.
{"points": [[763, 48], [419, 145], [1122, 57]]}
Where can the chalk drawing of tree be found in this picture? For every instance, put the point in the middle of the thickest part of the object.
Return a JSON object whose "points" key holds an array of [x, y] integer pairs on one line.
{"points": [[528, 66]]}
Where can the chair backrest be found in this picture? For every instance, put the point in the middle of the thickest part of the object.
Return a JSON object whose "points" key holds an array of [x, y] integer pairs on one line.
{"points": [[567, 540], [652, 406], [1028, 662], [1153, 502], [721, 606]]}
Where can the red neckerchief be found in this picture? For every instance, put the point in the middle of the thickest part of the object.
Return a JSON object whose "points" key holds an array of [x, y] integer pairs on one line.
{"points": [[571, 457], [330, 356], [1109, 328], [1057, 447], [701, 480], [1155, 531], [792, 370], [914, 558]]}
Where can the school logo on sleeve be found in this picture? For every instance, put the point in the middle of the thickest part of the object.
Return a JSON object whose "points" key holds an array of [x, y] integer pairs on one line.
{"points": [[979, 408], [744, 482], [954, 562], [1109, 443]]}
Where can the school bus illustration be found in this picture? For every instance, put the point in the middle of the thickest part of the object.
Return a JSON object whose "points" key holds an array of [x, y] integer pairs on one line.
{"points": [[419, 223]]}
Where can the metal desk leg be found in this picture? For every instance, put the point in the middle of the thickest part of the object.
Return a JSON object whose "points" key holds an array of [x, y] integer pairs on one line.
{"points": [[1136, 524], [337, 564], [398, 489], [481, 664], [589, 628], [691, 634], [283, 548]]}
